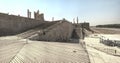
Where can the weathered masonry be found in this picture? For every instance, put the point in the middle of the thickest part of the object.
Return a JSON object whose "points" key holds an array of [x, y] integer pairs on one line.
{"points": [[61, 31], [11, 24], [39, 29]]}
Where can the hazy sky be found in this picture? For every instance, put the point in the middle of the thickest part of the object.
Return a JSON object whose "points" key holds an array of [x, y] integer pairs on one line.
{"points": [[93, 11]]}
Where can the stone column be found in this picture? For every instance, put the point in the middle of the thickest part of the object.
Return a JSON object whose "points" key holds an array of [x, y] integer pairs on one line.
{"points": [[28, 13], [77, 20], [52, 18], [74, 20]]}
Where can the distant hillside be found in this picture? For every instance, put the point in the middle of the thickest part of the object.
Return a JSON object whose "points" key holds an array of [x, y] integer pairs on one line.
{"points": [[109, 26]]}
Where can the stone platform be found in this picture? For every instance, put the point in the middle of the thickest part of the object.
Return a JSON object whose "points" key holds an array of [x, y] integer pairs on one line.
{"points": [[17, 51]]}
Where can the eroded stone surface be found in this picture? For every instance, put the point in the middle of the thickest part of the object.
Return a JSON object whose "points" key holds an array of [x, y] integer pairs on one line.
{"points": [[38, 51]]}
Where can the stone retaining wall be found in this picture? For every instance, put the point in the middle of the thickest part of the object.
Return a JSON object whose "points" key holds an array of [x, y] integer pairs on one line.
{"points": [[11, 24]]}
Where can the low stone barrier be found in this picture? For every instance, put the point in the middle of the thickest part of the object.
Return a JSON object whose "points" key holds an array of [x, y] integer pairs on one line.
{"points": [[110, 42]]}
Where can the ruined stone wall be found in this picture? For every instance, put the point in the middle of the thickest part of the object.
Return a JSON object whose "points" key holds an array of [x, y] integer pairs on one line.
{"points": [[62, 31], [11, 24], [38, 16], [84, 25]]}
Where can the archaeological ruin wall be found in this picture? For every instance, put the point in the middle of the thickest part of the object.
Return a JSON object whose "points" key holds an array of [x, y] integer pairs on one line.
{"points": [[11, 24], [38, 15], [82, 25]]}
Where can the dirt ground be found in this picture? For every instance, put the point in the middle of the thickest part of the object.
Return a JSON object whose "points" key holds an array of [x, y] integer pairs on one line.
{"points": [[106, 30]]}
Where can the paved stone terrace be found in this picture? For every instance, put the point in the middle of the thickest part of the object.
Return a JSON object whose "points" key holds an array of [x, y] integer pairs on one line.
{"points": [[17, 51], [100, 53]]}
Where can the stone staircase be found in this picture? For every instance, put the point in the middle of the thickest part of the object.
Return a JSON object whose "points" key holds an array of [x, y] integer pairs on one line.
{"points": [[33, 31], [61, 31]]}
